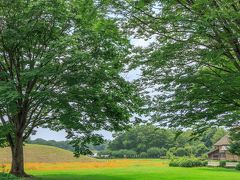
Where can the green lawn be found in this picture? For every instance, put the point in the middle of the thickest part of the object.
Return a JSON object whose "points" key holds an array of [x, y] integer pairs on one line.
{"points": [[140, 173]]}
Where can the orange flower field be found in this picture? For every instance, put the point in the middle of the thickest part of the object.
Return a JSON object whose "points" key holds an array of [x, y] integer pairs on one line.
{"points": [[90, 165]]}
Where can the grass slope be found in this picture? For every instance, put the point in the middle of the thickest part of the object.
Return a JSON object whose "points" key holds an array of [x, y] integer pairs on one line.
{"points": [[43, 154]]}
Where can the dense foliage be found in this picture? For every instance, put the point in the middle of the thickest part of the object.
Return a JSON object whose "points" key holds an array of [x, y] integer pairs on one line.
{"points": [[6, 176], [187, 162], [153, 142], [193, 62], [60, 67], [222, 163], [235, 141], [238, 167]]}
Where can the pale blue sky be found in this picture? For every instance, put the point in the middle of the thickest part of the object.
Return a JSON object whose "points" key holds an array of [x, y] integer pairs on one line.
{"points": [[59, 136]]}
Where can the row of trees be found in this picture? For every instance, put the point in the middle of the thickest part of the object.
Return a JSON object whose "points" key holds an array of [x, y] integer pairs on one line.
{"points": [[150, 141], [66, 144]]}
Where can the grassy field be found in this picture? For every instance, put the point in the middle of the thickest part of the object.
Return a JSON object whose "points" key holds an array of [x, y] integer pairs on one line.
{"points": [[50, 163], [41, 153], [128, 170]]}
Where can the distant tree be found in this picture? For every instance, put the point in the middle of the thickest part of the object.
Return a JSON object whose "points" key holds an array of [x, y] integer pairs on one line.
{"points": [[218, 135], [130, 153], [212, 135], [200, 149], [153, 152], [141, 138], [143, 155], [59, 144], [118, 154], [235, 141], [162, 152], [181, 152]]}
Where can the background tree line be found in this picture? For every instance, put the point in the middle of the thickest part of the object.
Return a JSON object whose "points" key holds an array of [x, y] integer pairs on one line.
{"points": [[148, 141], [66, 144]]}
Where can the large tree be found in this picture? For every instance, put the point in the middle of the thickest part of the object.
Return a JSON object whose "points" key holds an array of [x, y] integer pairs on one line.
{"points": [[60, 65], [193, 62]]}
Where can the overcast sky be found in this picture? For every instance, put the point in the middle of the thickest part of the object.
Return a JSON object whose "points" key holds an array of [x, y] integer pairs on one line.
{"points": [[60, 136]]}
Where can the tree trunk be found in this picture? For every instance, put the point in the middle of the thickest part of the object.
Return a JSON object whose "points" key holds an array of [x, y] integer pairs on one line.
{"points": [[17, 168]]}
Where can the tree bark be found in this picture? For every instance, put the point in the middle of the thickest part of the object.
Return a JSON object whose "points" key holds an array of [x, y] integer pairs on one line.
{"points": [[17, 168]]}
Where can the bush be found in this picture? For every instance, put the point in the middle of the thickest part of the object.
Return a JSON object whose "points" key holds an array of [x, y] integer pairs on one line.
{"points": [[204, 162], [5, 176], [222, 163], [187, 162], [181, 152], [169, 155], [238, 166]]}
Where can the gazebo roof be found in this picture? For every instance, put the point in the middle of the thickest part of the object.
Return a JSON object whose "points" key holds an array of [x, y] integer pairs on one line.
{"points": [[223, 141]]}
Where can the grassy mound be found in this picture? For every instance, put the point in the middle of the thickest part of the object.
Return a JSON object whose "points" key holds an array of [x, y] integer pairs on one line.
{"points": [[43, 154]]}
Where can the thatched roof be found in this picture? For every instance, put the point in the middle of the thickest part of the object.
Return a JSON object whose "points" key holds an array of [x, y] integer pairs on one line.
{"points": [[223, 141]]}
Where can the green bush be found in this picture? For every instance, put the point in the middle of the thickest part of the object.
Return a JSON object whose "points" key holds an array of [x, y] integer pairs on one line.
{"points": [[238, 166], [187, 162], [181, 152], [5, 176], [169, 155], [204, 162], [222, 163]]}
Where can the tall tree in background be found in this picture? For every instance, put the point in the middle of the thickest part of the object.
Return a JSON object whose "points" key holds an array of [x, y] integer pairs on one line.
{"points": [[193, 62], [60, 65]]}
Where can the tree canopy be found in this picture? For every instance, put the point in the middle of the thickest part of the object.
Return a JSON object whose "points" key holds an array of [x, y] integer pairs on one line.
{"points": [[60, 66], [193, 62]]}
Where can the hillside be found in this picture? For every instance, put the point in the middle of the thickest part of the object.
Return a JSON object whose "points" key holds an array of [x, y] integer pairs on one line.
{"points": [[42, 153]]}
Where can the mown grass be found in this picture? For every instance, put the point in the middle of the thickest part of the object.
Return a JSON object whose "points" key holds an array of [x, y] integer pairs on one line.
{"points": [[134, 170]]}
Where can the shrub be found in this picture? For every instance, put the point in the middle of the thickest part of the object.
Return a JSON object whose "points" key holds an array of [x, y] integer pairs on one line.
{"points": [[169, 155], [187, 162], [204, 162], [222, 163], [6, 176], [238, 166]]}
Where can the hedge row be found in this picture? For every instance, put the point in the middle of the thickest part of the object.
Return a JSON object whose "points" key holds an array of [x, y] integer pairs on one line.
{"points": [[187, 162]]}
